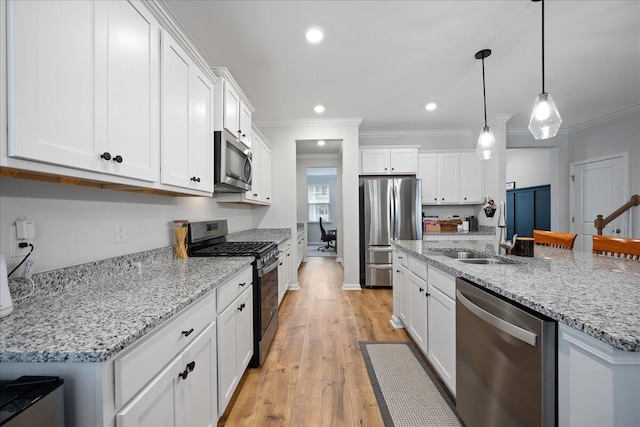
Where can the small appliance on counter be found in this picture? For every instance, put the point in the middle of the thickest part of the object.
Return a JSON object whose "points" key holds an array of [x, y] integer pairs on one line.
{"points": [[6, 304], [523, 246], [32, 401], [473, 222]]}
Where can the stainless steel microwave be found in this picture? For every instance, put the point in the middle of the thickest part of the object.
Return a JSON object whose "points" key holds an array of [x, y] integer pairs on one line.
{"points": [[233, 170]]}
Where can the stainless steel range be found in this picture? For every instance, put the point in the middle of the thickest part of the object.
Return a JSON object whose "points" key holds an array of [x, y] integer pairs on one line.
{"points": [[209, 239]]}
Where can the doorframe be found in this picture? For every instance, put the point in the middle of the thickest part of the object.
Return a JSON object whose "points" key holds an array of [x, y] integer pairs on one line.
{"points": [[625, 185]]}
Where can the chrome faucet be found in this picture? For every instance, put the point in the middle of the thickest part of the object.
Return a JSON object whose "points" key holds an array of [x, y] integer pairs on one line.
{"points": [[505, 245]]}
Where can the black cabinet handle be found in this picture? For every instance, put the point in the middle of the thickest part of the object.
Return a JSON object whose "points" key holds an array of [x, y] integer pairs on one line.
{"points": [[421, 290], [443, 198], [191, 366], [239, 131], [118, 159], [105, 155], [255, 195], [385, 168], [184, 374], [288, 254], [195, 179], [397, 271], [280, 264], [393, 169], [268, 198], [243, 135], [187, 333], [242, 284], [465, 198], [427, 294]]}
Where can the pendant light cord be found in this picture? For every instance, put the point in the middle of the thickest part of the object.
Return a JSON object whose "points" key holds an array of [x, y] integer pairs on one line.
{"points": [[543, 91], [484, 95]]}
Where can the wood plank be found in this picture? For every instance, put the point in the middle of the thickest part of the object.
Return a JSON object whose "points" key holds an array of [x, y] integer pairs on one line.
{"points": [[366, 412], [307, 408]]}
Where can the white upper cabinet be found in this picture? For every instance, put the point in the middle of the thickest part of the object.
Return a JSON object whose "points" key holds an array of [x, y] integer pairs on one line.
{"points": [[236, 114], [428, 172], [266, 173], [470, 178], [384, 161], [450, 178], [255, 194], [187, 121], [95, 104], [449, 174]]}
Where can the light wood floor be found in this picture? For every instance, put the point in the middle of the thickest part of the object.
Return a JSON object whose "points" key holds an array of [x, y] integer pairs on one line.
{"points": [[314, 374]]}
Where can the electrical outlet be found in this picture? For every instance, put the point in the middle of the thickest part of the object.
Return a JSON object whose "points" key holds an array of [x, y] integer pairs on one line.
{"points": [[14, 250], [120, 232]]}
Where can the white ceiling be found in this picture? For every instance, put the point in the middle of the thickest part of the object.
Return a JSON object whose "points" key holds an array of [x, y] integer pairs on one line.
{"points": [[331, 147], [384, 60]]}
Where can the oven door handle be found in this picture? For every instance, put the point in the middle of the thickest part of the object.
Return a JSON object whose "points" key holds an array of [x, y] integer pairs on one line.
{"points": [[267, 269]]}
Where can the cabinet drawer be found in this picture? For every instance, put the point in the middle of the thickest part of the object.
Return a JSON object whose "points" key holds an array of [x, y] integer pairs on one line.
{"points": [[145, 360], [234, 287], [443, 281], [418, 267]]}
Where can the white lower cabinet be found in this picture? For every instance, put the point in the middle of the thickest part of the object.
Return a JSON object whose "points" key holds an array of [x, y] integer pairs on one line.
{"points": [[235, 344], [418, 311], [400, 316], [442, 325], [183, 393], [284, 269]]}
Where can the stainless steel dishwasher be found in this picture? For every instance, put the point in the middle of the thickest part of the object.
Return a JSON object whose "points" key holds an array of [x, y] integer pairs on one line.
{"points": [[505, 362]]}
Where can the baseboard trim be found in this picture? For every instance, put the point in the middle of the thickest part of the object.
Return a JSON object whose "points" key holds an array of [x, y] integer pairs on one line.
{"points": [[339, 259], [396, 322], [293, 287], [351, 287]]}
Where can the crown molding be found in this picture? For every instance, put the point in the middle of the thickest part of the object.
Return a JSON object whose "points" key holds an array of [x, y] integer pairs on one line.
{"points": [[584, 125], [348, 121], [225, 74], [418, 133]]}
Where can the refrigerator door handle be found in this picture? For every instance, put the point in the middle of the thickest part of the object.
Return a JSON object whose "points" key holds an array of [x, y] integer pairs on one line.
{"points": [[394, 211]]}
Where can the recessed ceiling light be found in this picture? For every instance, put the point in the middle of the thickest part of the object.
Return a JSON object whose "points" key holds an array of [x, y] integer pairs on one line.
{"points": [[319, 109], [321, 143], [314, 35], [431, 106]]}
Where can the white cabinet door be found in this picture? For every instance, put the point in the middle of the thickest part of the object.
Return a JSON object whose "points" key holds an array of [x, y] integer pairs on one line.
{"points": [[442, 336], [418, 311], [175, 113], [231, 120], [449, 178], [283, 284], [199, 388], [130, 63], [201, 138], [266, 174], [255, 194], [245, 329], [403, 161], [428, 172], [404, 295], [51, 77], [374, 161], [158, 404], [471, 178], [400, 300], [245, 124], [227, 355]]}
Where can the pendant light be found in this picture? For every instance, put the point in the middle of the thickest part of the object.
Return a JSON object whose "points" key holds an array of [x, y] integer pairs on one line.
{"points": [[487, 146], [545, 119]]}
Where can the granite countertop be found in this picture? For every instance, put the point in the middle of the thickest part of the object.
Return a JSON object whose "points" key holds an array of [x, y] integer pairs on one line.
{"points": [[597, 295], [300, 226], [94, 321], [277, 235]]}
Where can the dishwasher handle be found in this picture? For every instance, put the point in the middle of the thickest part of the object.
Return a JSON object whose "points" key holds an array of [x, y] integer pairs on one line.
{"points": [[506, 327]]}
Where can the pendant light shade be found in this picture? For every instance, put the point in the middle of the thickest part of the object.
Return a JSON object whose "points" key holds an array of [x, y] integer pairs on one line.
{"points": [[545, 119], [487, 146]]}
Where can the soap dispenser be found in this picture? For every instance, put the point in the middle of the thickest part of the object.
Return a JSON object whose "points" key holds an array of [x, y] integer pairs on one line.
{"points": [[6, 305]]}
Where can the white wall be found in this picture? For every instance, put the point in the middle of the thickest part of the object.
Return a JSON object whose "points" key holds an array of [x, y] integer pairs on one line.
{"points": [[283, 213], [618, 134], [423, 140], [75, 225]]}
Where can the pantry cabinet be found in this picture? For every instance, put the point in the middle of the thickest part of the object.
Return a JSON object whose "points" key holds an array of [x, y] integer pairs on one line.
{"points": [[187, 120], [95, 104], [450, 178], [384, 161]]}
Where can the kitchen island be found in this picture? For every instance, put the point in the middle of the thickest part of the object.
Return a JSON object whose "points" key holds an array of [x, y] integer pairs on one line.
{"points": [[595, 301]]}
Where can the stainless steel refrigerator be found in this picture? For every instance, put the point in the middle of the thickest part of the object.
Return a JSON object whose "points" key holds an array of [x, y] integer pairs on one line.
{"points": [[390, 208]]}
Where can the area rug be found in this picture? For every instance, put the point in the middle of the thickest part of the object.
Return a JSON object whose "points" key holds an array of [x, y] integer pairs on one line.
{"points": [[406, 390], [314, 251]]}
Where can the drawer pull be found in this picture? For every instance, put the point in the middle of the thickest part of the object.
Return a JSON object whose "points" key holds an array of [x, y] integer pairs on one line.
{"points": [[184, 374], [189, 368], [187, 333], [421, 290], [242, 284]]}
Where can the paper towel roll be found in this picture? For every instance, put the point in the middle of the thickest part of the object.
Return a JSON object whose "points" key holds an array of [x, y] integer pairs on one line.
{"points": [[6, 304]]}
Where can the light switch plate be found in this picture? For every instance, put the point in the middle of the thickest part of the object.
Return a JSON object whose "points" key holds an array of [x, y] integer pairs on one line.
{"points": [[14, 249], [119, 232]]}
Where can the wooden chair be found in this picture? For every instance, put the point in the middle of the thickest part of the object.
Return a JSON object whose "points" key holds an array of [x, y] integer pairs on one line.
{"points": [[554, 239], [618, 247]]}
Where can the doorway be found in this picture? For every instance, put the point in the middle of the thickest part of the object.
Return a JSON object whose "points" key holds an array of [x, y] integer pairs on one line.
{"points": [[599, 186], [322, 211]]}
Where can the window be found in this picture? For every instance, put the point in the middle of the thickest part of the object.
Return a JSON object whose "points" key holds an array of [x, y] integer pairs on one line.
{"points": [[318, 202]]}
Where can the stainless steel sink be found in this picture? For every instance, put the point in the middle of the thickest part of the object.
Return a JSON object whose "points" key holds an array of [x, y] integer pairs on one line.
{"points": [[484, 261], [464, 254]]}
